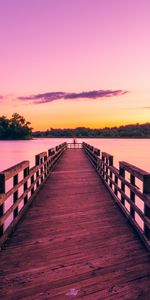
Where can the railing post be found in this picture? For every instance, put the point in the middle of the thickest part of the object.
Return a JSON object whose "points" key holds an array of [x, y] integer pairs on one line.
{"points": [[146, 190], [116, 181], [132, 196], [110, 184], [103, 166], [37, 160], [107, 164], [40, 159], [122, 174], [2, 191], [1, 226], [2, 183], [146, 228], [146, 184], [25, 174], [96, 154], [31, 182], [110, 163], [15, 195], [99, 165], [110, 160], [51, 151], [45, 166], [37, 163], [107, 161]]}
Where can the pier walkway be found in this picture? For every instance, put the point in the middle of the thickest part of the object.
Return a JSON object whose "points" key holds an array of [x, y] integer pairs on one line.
{"points": [[74, 242]]}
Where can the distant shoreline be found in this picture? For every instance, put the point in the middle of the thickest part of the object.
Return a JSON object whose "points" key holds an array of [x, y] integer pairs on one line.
{"points": [[89, 137], [131, 131], [26, 139]]}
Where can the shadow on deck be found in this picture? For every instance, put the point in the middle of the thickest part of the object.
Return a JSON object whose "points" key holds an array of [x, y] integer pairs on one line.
{"points": [[74, 242]]}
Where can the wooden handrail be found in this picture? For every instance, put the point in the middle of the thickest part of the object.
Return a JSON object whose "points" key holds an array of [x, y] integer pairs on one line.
{"points": [[12, 171], [139, 173], [117, 184], [32, 180]]}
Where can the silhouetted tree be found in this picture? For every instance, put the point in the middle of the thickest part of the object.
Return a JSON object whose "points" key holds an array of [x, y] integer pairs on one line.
{"points": [[15, 128]]}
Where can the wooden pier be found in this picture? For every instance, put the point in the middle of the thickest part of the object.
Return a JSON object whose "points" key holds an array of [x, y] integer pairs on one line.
{"points": [[71, 231]]}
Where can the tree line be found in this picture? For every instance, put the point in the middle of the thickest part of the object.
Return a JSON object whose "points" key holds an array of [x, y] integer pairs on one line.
{"points": [[127, 131], [15, 128]]}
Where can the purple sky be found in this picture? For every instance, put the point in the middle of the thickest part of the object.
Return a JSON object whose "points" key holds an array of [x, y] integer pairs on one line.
{"points": [[75, 46]]}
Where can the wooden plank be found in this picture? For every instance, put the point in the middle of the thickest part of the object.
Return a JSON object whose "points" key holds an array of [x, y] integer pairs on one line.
{"points": [[74, 237]]}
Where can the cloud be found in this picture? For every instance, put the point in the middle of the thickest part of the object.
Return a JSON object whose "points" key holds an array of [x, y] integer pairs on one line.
{"points": [[146, 107], [44, 98], [1, 97], [94, 94], [54, 96]]}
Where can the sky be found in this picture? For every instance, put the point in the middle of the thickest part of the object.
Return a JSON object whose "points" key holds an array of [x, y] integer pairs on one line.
{"points": [[71, 63]]}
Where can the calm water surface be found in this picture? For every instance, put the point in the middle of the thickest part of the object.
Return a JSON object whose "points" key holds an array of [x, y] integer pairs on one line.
{"points": [[134, 151]]}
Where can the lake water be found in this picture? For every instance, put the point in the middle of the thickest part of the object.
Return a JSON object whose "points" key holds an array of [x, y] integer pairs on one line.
{"points": [[134, 151]]}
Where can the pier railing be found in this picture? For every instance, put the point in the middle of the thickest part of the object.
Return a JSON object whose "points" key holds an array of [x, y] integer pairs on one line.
{"points": [[19, 185], [74, 145], [129, 186]]}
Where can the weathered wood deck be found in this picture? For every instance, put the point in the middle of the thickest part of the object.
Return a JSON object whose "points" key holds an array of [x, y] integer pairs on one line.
{"points": [[74, 240]]}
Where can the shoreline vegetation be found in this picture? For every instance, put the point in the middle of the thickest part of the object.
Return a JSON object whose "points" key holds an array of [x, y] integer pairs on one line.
{"points": [[17, 128], [128, 131]]}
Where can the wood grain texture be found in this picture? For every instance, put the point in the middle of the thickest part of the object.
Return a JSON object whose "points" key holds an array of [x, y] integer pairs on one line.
{"points": [[74, 238]]}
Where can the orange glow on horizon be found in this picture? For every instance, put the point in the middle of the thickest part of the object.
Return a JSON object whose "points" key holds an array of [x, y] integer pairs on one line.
{"points": [[117, 111]]}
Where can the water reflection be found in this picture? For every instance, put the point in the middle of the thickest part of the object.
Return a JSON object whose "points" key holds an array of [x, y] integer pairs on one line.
{"points": [[134, 151]]}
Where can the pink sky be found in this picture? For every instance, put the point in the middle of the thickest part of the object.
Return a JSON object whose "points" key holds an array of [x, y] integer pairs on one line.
{"points": [[70, 47]]}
